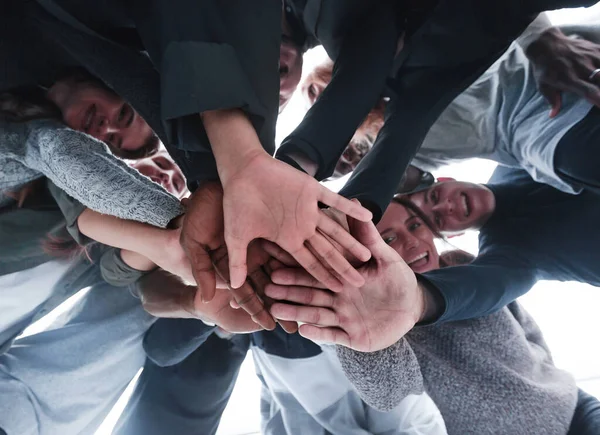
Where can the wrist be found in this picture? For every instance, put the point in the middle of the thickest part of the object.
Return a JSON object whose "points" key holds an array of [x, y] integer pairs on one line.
{"points": [[542, 45], [432, 303], [304, 162], [233, 140]]}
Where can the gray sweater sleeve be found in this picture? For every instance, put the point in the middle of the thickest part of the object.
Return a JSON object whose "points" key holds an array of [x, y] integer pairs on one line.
{"points": [[85, 169], [385, 377]]}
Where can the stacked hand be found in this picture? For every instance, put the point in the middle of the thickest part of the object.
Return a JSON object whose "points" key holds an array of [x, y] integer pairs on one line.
{"points": [[367, 318]]}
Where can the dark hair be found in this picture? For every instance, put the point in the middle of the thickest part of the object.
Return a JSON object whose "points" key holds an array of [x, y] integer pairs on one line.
{"points": [[411, 206], [453, 257], [28, 103]]}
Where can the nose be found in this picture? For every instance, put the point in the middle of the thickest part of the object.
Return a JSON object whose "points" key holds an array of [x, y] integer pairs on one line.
{"points": [[410, 242], [444, 207], [103, 126]]}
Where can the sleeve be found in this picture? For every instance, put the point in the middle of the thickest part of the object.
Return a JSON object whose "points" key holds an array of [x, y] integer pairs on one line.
{"points": [[383, 378], [492, 281], [440, 61], [71, 210], [170, 341], [116, 272], [534, 30], [84, 169], [213, 55], [358, 81]]}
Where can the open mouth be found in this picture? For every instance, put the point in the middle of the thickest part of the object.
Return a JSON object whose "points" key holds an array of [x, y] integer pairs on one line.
{"points": [[419, 261], [88, 118], [466, 205]]}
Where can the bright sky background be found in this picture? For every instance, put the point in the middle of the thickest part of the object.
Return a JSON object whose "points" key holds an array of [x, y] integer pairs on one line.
{"points": [[566, 312]]}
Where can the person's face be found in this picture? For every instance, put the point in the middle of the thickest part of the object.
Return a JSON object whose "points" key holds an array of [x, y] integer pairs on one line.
{"points": [[455, 206], [350, 158], [410, 237], [290, 70], [91, 108], [162, 170]]}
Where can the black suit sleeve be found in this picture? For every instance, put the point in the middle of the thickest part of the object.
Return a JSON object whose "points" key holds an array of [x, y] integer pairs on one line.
{"points": [[460, 40], [358, 80]]}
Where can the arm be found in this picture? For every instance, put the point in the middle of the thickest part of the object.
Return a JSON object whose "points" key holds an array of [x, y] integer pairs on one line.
{"points": [[534, 30], [357, 83], [385, 377], [492, 281], [84, 168], [212, 55], [151, 246], [443, 58]]}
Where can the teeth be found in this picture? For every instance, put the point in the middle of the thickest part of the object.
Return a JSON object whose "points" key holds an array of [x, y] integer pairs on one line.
{"points": [[464, 199], [417, 258]]}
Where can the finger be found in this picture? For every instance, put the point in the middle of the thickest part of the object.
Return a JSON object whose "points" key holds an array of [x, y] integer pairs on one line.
{"points": [[338, 234], [586, 89], [289, 327], [238, 269], [298, 277], [329, 255], [249, 301], [313, 315], [202, 270], [350, 208], [325, 335], [233, 304], [275, 251], [301, 295], [367, 234], [313, 266], [554, 98]]}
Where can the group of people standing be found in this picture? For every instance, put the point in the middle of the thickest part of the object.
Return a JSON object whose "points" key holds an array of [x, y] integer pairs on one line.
{"points": [[138, 165]]}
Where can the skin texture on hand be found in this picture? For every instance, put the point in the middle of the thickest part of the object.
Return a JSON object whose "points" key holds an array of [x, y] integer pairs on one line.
{"points": [[366, 319], [202, 237], [270, 200], [163, 295], [563, 64]]}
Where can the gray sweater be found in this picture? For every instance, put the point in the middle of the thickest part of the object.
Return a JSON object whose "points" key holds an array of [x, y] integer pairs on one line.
{"points": [[84, 168], [492, 375]]}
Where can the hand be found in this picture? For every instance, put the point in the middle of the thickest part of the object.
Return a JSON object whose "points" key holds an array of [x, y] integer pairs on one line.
{"points": [[366, 319], [201, 236], [163, 295], [268, 199], [564, 64]]}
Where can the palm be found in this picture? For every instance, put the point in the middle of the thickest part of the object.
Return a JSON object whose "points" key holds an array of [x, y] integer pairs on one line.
{"points": [[268, 199]]}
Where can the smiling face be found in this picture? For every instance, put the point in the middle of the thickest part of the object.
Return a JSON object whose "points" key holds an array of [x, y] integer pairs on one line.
{"points": [[455, 206], [161, 169], [410, 237], [90, 107]]}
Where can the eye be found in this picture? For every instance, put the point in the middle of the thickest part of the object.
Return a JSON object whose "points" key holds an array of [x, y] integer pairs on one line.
{"points": [[435, 196], [389, 239], [438, 220], [160, 163], [122, 113], [413, 227]]}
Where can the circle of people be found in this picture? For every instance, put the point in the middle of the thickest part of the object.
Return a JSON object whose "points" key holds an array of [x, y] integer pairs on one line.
{"points": [[138, 168]]}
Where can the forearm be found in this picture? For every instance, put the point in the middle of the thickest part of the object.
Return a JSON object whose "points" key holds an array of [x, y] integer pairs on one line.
{"points": [[357, 84], [164, 295], [385, 377], [140, 238], [233, 140]]}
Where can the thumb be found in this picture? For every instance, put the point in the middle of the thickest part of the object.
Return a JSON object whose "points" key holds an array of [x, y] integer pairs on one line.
{"points": [[203, 272], [367, 234], [554, 98], [238, 268]]}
